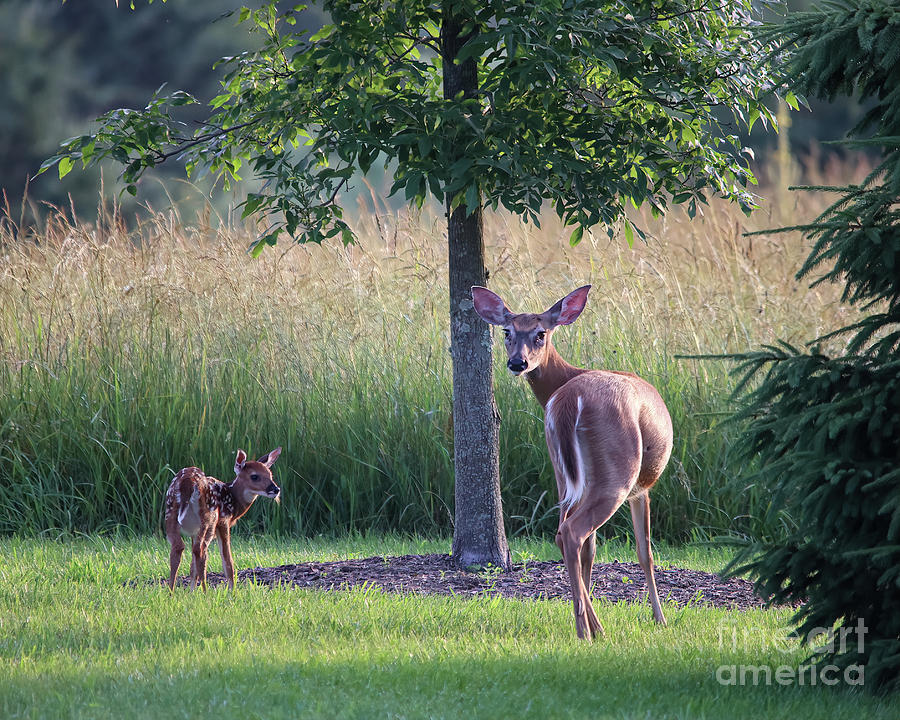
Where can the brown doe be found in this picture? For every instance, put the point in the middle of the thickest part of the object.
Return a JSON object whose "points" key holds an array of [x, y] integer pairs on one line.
{"points": [[609, 435], [199, 506]]}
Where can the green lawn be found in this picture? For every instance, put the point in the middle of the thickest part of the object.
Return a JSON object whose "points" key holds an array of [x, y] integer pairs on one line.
{"points": [[76, 641]]}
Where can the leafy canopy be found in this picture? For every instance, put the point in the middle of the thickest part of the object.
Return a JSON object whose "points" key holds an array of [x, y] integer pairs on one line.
{"points": [[587, 104]]}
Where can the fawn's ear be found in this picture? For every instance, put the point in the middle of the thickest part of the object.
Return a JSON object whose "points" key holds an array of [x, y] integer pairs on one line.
{"points": [[490, 306], [568, 309], [239, 461], [269, 459]]}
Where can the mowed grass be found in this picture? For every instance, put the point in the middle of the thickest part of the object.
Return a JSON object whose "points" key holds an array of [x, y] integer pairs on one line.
{"points": [[79, 640]]}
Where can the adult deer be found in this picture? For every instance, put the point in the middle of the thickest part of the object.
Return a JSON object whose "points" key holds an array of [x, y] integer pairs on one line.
{"points": [[202, 507], [609, 435]]}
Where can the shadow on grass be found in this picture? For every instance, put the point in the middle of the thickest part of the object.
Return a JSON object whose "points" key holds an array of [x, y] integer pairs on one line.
{"points": [[435, 679]]}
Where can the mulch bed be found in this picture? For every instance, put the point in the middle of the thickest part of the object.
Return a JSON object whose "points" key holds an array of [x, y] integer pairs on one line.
{"points": [[437, 575]]}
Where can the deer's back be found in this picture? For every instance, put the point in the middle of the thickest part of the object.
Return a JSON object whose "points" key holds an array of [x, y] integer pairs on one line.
{"points": [[616, 412], [194, 500]]}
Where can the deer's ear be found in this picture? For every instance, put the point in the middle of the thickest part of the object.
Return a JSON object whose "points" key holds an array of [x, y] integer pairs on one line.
{"points": [[239, 461], [490, 306], [568, 309], [269, 459]]}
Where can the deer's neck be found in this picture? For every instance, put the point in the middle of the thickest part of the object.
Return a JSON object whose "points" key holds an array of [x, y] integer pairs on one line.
{"points": [[551, 375], [233, 503]]}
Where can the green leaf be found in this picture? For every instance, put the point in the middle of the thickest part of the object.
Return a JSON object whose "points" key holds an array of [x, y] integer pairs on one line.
{"points": [[325, 32], [47, 164], [629, 234], [471, 199], [257, 249], [271, 238], [65, 166], [251, 205], [576, 235], [754, 116]]}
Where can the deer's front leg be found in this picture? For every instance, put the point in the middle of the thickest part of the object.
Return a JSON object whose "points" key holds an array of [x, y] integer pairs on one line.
{"points": [[197, 563], [176, 543], [224, 534], [175, 558], [193, 571]]}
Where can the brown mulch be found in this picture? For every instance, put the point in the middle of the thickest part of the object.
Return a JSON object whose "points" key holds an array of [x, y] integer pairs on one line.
{"points": [[437, 575]]}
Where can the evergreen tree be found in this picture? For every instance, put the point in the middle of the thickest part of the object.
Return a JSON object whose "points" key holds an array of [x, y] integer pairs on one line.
{"points": [[825, 431]]}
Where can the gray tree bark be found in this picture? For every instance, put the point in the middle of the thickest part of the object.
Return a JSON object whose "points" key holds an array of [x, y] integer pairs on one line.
{"points": [[479, 535]]}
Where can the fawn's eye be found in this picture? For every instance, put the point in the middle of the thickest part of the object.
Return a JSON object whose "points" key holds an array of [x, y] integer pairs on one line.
{"points": [[254, 477], [540, 336], [506, 332]]}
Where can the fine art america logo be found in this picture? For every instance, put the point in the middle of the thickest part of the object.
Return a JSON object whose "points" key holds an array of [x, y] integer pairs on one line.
{"points": [[820, 640]]}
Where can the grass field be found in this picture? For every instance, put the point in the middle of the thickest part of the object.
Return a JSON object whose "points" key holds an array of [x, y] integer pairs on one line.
{"points": [[77, 642], [126, 354]]}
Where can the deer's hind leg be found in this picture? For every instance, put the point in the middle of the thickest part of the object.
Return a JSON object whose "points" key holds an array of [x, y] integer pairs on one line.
{"points": [[640, 517], [576, 534], [608, 465], [200, 553], [578, 556]]}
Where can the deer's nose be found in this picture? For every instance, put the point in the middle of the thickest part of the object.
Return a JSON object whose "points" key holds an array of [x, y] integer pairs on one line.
{"points": [[516, 366]]}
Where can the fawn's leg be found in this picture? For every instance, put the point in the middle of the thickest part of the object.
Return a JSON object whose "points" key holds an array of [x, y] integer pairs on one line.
{"points": [[224, 534], [176, 543], [200, 551], [193, 574], [175, 558]]}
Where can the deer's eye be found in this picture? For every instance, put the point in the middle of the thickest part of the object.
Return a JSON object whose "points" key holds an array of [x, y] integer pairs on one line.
{"points": [[539, 336], [506, 332], [254, 477]]}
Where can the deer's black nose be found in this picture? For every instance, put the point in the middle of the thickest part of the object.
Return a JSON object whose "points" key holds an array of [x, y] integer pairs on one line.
{"points": [[516, 366]]}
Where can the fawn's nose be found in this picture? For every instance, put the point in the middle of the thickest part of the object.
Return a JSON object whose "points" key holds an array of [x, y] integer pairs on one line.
{"points": [[516, 365], [273, 491]]}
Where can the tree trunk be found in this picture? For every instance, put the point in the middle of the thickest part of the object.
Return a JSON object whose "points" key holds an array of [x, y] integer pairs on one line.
{"points": [[479, 536]]}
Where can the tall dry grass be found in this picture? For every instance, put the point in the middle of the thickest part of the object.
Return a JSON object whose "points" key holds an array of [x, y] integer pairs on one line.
{"points": [[127, 353]]}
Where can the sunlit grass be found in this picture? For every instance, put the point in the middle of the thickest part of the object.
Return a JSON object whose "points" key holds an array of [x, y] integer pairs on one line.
{"points": [[76, 641]]}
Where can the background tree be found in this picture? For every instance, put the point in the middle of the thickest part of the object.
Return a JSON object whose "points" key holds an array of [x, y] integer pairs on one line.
{"points": [[587, 105], [57, 78], [826, 430]]}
